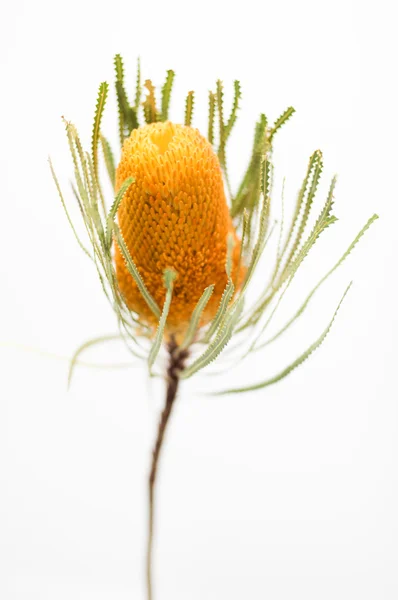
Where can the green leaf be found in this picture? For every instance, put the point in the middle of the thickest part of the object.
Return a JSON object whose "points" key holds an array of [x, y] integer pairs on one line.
{"points": [[234, 111], [127, 114], [109, 159], [196, 316], [169, 277], [318, 285], [285, 116], [220, 109], [300, 200], [221, 311], [114, 208], [212, 113], [166, 93], [189, 102], [248, 195], [303, 357], [135, 273], [138, 90], [215, 348], [82, 347], [66, 210], [99, 111]]}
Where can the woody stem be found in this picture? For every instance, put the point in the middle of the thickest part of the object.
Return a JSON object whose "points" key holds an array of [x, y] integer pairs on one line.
{"points": [[176, 365]]}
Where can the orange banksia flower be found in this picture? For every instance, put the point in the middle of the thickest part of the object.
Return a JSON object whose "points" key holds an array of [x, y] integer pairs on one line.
{"points": [[177, 249], [175, 215]]}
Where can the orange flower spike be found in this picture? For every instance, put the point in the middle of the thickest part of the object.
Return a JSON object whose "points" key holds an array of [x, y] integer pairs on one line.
{"points": [[174, 215]]}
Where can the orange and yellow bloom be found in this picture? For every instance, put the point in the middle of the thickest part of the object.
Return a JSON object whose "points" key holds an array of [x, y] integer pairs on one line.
{"points": [[175, 215]]}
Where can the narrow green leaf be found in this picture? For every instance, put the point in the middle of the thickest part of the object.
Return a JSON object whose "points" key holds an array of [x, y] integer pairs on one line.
{"points": [[221, 311], [196, 316], [285, 116], [248, 195], [212, 112], [169, 277], [166, 93], [127, 114], [135, 273], [303, 357], [82, 347], [318, 285], [220, 109], [138, 90], [215, 348], [66, 210], [234, 111], [114, 208], [99, 111], [189, 102], [109, 159]]}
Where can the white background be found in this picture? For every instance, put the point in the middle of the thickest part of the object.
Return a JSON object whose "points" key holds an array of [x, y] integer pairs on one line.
{"points": [[287, 493]]}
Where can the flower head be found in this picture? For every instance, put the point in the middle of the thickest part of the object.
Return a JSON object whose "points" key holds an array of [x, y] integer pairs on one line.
{"points": [[174, 216], [175, 254]]}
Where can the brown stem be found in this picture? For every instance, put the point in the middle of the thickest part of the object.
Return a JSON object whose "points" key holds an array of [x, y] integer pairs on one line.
{"points": [[176, 365]]}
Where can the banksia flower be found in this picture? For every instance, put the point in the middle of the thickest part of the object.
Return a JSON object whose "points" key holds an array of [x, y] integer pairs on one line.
{"points": [[177, 249], [174, 215]]}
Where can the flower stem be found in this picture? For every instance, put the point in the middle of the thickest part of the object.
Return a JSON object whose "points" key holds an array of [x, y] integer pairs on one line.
{"points": [[176, 365]]}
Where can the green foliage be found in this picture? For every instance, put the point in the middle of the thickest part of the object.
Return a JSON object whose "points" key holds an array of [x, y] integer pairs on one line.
{"points": [[189, 102], [221, 311], [196, 317], [134, 272], [248, 195], [138, 90], [285, 116], [212, 114], [166, 93], [169, 277], [99, 111], [109, 159], [85, 346], [127, 114], [303, 357]]}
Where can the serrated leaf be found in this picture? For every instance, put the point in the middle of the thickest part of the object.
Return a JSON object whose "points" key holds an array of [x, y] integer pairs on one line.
{"points": [[234, 111], [114, 208], [166, 93], [135, 273], [215, 348], [303, 357], [221, 311], [99, 111], [169, 277], [189, 102], [285, 116], [249, 191], [302, 308], [138, 90], [109, 159], [196, 316], [66, 210], [212, 112], [127, 114]]}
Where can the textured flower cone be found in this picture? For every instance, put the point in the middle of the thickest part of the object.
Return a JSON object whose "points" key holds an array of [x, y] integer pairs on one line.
{"points": [[175, 216]]}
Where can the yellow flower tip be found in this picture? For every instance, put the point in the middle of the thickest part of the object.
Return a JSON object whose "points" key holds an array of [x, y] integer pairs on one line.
{"points": [[174, 215]]}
